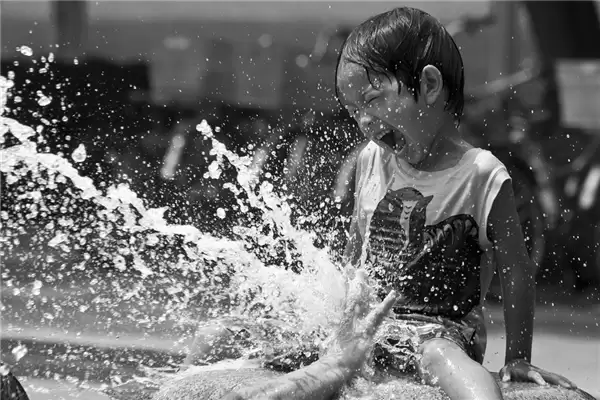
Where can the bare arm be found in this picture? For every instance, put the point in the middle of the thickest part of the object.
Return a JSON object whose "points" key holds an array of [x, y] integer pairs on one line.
{"points": [[320, 381], [517, 274], [324, 378]]}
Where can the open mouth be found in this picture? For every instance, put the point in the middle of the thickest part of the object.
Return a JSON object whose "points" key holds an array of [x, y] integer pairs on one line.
{"points": [[393, 141]]}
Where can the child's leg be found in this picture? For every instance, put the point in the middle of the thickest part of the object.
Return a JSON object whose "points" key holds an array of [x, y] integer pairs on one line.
{"points": [[446, 365]]}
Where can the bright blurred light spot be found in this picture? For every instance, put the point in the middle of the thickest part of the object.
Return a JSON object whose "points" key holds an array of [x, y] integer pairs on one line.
{"points": [[265, 40], [302, 61], [177, 43]]}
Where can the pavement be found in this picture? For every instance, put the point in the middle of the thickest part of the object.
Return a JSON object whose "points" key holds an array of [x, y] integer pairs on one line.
{"points": [[75, 351]]}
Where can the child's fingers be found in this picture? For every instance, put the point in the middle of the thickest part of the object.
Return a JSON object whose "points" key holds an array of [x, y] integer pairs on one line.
{"points": [[361, 286], [556, 379], [376, 316], [357, 301], [536, 377]]}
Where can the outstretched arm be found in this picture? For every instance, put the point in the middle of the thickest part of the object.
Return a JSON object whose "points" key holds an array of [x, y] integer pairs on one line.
{"points": [[320, 381], [325, 377]]}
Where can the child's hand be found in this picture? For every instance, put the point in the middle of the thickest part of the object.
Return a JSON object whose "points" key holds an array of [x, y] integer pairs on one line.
{"points": [[355, 334], [522, 371], [356, 345]]}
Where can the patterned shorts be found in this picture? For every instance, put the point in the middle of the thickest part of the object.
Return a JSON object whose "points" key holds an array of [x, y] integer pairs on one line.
{"points": [[397, 346]]}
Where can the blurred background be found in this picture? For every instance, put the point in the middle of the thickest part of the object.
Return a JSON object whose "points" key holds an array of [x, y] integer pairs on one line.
{"points": [[142, 75], [135, 78]]}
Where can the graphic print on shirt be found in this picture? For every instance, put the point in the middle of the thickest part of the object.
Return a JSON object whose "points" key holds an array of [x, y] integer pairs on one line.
{"points": [[435, 267]]}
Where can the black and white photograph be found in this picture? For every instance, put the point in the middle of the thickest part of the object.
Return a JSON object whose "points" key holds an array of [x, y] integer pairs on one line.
{"points": [[299, 200]]}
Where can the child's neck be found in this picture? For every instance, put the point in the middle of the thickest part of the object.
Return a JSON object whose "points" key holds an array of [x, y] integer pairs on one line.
{"points": [[445, 151]]}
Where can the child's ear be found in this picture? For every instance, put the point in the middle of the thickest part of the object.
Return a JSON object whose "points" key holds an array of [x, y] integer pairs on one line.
{"points": [[432, 84]]}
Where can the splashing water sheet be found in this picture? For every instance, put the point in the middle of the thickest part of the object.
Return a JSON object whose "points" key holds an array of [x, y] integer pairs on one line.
{"points": [[87, 260]]}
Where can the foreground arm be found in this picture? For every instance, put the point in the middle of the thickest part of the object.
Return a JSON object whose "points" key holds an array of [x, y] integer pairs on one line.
{"points": [[320, 380], [325, 377], [517, 277]]}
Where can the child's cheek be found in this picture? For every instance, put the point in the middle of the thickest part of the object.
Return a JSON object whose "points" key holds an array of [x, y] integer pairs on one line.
{"points": [[400, 109], [405, 106], [408, 117]]}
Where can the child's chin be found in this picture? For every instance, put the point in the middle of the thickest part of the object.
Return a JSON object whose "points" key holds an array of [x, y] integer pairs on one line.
{"points": [[411, 156]]}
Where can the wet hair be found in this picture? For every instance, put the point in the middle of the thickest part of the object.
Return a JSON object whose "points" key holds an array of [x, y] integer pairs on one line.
{"points": [[401, 42]]}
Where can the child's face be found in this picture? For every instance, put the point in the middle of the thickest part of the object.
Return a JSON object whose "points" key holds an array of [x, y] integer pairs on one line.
{"points": [[386, 115]]}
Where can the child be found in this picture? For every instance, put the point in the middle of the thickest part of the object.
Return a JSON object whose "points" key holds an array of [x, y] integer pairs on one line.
{"points": [[433, 215]]}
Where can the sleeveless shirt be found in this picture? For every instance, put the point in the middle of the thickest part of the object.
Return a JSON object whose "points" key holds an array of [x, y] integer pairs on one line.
{"points": [[425, 233]]}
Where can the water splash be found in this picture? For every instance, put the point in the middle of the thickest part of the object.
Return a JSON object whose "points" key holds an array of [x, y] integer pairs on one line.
{"points": [[25, 50], [79, 154], [19, 352], [276, 211], [133, 267]]}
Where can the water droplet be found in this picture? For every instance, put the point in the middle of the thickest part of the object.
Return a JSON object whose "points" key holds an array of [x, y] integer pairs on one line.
{"points": [[37, 285], [58, 239], [25, 50], [19, 352], [119, 262], [44, 100], [79, 154], [152, 240], [221, 213]]}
